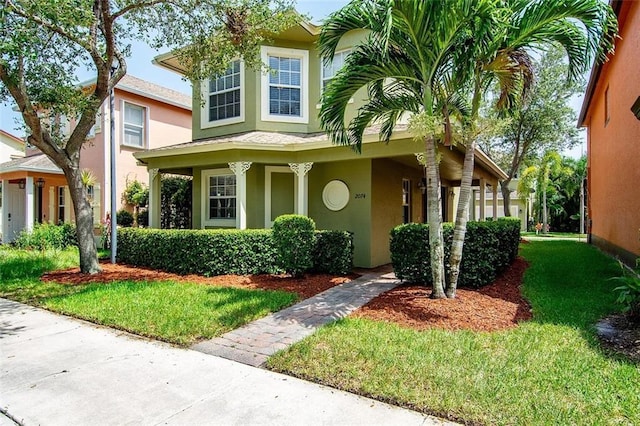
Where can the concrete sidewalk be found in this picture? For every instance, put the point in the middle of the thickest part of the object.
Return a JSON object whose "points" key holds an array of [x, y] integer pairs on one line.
{"points": [[58, 370]]}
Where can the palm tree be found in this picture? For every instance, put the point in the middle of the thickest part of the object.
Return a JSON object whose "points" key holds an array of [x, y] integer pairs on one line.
{"points": [[406, 63], [538, 176], [585, 29]]}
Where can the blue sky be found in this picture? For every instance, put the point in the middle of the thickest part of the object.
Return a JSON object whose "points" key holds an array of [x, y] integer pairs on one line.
{"points": [[139, 65]]}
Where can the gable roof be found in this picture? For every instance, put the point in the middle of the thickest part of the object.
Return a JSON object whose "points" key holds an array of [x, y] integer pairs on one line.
{"points": [[12, 137], [304, 31], [616, 5], [34, 163], [140, 87]]}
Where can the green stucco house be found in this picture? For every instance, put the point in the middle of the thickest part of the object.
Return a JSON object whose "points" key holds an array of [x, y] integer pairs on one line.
{"points": [[258, 152]]}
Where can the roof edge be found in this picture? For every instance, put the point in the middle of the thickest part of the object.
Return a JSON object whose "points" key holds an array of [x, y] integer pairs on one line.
{"points": [[616, 5]]}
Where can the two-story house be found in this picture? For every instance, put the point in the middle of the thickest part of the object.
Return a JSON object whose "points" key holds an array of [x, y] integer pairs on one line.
{"points": [[146, 115], [611, 114], [258, 152]]}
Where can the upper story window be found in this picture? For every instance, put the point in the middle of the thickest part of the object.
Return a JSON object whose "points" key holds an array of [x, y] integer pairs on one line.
{"points": [[330, 69], [135, 125], [224, 97], [285, 86]]}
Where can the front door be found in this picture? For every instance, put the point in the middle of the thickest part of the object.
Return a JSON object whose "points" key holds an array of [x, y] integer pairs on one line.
{"points": [[15, 213], [280, 193]]}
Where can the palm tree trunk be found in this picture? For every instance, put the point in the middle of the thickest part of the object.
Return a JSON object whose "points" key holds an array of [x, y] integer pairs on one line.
{"points": [[462, 216], [436, 240], [544, 210], [84, 222]]}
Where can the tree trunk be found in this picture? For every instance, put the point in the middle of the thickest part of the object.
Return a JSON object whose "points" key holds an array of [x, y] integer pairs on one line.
{"points": [[84, 222], [506, 196], [544, 210], [462, 216], [436, 240]]}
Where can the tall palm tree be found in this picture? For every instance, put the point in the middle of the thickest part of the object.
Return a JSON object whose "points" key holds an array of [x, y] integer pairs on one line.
{"points": [[409, 55], [585, 29]]}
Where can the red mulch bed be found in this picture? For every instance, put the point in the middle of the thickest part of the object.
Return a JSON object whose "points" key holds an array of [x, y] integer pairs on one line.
{"points": [[494, 307], [305, 287]]}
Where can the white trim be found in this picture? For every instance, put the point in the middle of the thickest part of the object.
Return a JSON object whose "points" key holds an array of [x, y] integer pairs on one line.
{"points": [[268, 170], [204, 110], [145, 129], [204, 192], [303, 55]]}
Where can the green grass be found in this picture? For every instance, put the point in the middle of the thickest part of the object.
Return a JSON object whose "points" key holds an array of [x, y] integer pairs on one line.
{"points": [[175, 312], [554, 235], [546, 371]]}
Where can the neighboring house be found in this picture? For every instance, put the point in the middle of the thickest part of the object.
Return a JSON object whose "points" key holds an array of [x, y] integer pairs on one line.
{"points": [[611, 113], [521, 207], [258, 152], [11, 148], [146, 116]]}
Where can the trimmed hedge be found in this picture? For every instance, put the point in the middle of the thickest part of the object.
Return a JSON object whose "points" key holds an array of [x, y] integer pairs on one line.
{"points": [[333, 252], [225, 251], [489, 247], [202, 252]]}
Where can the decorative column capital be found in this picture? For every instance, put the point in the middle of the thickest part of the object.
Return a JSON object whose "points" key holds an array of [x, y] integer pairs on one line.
{"points": [[153, 173], [240, 167], [300, 169], [422, 159]]}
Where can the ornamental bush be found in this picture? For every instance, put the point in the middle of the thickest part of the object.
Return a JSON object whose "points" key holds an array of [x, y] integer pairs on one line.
{"points": [[46, 236], [225, 251], [202, 252], [333, 252], [293, 237], [124, 218], [489, 247]]}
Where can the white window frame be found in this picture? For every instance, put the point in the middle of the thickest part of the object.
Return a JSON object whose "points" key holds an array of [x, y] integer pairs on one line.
{"points": [[204, 111], [303, 55], [345, 52], [145, 124], [226, 223], [61, 196]]}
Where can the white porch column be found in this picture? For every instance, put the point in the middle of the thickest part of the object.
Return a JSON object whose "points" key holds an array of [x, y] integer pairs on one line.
{"points": [[239, 168], [302, 184], [495, 200], [483, 198], [5, 202], [29, 207], [472, 205], [154, 198]]}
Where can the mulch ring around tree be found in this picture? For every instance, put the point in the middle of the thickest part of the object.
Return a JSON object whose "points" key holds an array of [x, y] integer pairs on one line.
{"points": [[304, 287], [498, 306]]}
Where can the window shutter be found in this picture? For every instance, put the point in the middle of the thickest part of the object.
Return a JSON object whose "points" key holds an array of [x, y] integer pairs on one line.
{"points": [[97, 217]]}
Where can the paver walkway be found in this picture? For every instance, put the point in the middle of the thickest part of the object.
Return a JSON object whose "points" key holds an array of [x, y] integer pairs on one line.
{"points": [[256, 341]]}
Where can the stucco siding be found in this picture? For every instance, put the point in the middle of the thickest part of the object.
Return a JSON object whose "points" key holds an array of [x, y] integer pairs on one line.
{"points": [[356, 215], [614, 146]]}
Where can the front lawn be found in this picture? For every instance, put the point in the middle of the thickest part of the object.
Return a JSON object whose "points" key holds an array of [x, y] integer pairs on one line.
{"points": [[176, 312], [550, 370]]}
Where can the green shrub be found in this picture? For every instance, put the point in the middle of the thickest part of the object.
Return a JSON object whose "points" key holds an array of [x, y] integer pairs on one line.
{"points": [[293, 237], [143, 218], [48, 236], [333, 252], [203, 252], [489, 247], [629, 293], [124, 218]]}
